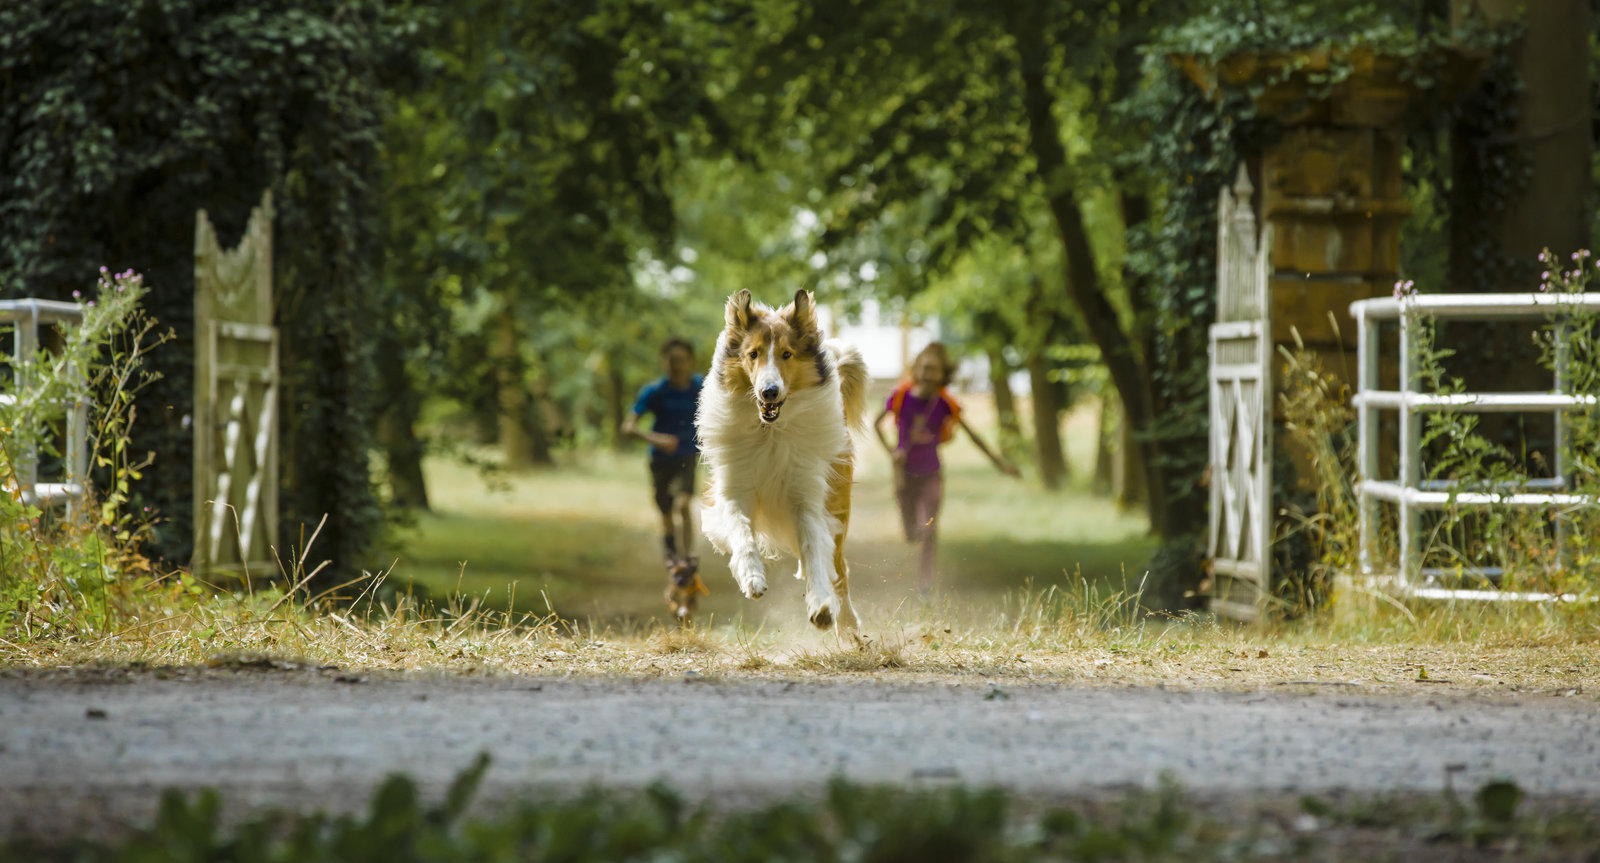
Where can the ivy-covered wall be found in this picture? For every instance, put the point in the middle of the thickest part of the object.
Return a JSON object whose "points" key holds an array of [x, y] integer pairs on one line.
{"points": [[120, 118]]}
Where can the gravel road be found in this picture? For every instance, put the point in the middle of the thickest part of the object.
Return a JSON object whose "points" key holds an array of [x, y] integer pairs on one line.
{"points": [[85, 752]]}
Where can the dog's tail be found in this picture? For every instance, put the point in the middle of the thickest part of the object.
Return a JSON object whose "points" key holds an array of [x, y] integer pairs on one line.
{"points": [[852, 371]]}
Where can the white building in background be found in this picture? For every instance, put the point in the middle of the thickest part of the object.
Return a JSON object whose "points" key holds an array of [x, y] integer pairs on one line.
{"points": [[888, 344]]}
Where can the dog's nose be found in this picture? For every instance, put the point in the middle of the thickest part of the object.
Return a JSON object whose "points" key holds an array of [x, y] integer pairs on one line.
{"points": [[769, 393]]}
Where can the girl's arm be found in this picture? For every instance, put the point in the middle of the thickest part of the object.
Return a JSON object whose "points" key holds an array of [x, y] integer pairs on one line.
{"points": [[1001, 464], [877, 426]]}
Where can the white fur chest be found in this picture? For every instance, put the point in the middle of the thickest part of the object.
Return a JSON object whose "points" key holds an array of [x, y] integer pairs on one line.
{"points": [[779, 468]]}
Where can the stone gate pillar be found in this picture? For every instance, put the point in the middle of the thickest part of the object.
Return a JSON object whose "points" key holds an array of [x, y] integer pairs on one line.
{"points": [[1330, 186]]}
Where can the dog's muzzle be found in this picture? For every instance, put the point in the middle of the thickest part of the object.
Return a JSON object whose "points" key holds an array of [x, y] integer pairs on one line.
{"points": [[769, 411]]}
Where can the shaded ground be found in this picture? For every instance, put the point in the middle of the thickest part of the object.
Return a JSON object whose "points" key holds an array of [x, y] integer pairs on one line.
{"points": [[583, 539], [84, 750]]}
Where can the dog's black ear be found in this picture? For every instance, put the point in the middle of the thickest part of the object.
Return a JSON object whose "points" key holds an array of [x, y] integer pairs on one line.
{"points": [[803, 316], [738, 312]]}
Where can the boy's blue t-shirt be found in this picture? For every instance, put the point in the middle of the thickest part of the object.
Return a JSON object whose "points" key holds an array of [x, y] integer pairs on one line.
{"points": [[673, 410]]}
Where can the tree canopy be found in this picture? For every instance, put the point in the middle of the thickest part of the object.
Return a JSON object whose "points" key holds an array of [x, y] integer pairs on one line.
{"points": [[502, 206]]}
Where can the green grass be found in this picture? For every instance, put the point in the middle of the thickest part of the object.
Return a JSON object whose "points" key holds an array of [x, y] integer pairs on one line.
{"points": [[584, 537]]}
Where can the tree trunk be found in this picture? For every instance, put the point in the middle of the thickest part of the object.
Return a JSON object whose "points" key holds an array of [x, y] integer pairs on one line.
{"points": [[1005, 402], [542, 416], [397, 430], [616, 398], [1047, 423], [516, 412], [1495, 243], [1553, 133], [1129, 478], [1105, 451], [1116, 347]]}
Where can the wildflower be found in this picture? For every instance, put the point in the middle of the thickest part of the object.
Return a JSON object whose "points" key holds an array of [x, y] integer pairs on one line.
{"points": [[76, 295], [103, 269]]}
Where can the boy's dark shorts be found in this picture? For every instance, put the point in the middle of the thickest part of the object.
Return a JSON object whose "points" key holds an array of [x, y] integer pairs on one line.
{"points": [[672, 477]]}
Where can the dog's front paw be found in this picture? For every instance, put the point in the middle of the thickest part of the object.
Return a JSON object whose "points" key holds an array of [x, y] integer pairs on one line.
{"points": [[822, 610], [751, 575]]}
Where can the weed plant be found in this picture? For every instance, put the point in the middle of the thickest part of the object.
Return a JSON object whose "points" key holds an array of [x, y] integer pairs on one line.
{"points": [[1516, 548], [846, 822], [79, 574]]}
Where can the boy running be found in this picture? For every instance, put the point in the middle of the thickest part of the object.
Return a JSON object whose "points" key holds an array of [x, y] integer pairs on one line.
{"points": [[672, 401]]}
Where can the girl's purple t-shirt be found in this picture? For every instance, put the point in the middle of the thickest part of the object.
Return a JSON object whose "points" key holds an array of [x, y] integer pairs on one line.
{"points": [[921, 423]]}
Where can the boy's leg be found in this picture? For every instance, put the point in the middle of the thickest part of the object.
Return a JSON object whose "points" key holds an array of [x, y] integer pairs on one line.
{"points": [[660, 481], [682, 488]]}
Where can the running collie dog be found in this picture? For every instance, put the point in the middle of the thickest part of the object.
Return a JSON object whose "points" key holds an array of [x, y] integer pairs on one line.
{"points": [[774, 425]]}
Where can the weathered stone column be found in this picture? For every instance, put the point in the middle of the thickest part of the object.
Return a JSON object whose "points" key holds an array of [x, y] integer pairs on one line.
{"points": [[1330, 186]]}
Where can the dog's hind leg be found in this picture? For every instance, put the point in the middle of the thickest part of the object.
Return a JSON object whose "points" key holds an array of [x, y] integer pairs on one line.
{"points": [[816, 565], [848, 620], [838, 505]]}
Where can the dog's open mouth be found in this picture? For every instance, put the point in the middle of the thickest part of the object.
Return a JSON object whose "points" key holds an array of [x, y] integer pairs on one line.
{"points": [[769, 411]]}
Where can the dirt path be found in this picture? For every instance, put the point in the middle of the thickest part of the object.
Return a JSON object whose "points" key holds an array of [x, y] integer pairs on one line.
{"points": [[78, 752]]}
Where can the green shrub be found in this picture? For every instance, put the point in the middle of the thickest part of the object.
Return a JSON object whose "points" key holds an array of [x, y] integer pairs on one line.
{"points": [[848, 822], [76, 574]]}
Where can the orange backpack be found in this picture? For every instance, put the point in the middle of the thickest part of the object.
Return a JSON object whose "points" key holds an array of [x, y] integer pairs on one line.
{"points": [[948, 429]]}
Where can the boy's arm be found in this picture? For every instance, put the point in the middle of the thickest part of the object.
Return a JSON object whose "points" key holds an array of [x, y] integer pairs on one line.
{"points": [[630, 428], [1001, 464]]}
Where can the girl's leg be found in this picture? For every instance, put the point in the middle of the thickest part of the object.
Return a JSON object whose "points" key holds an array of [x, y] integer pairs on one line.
{"points": [[905, 494], [930, 493]]}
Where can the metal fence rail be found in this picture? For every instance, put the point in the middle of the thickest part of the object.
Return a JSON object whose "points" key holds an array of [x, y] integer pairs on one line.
{"points": [[26, 317], [1408, 491]]}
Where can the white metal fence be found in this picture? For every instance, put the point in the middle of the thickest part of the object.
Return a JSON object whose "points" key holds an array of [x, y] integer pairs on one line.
{"points": [[1408, 491], [26, 317]]}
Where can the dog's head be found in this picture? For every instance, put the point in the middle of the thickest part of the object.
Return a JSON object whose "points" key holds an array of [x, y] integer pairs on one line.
{"points": [[772, 353]]}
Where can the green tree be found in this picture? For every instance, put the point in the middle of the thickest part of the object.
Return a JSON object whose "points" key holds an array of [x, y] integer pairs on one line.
{"points": [[120, 118], [953, 121], [537, 146]]}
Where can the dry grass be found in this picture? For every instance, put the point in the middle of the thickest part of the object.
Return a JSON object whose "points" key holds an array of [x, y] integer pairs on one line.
{"points": [[1088, 629], [1088, 637]]}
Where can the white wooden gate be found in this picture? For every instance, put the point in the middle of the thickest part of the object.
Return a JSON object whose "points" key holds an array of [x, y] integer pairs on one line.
{"points": [[235, 400], [1241, 410]]}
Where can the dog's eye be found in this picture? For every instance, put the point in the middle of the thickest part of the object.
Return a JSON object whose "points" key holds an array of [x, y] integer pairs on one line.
{"points": [[754, 354], [788, 354]]}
